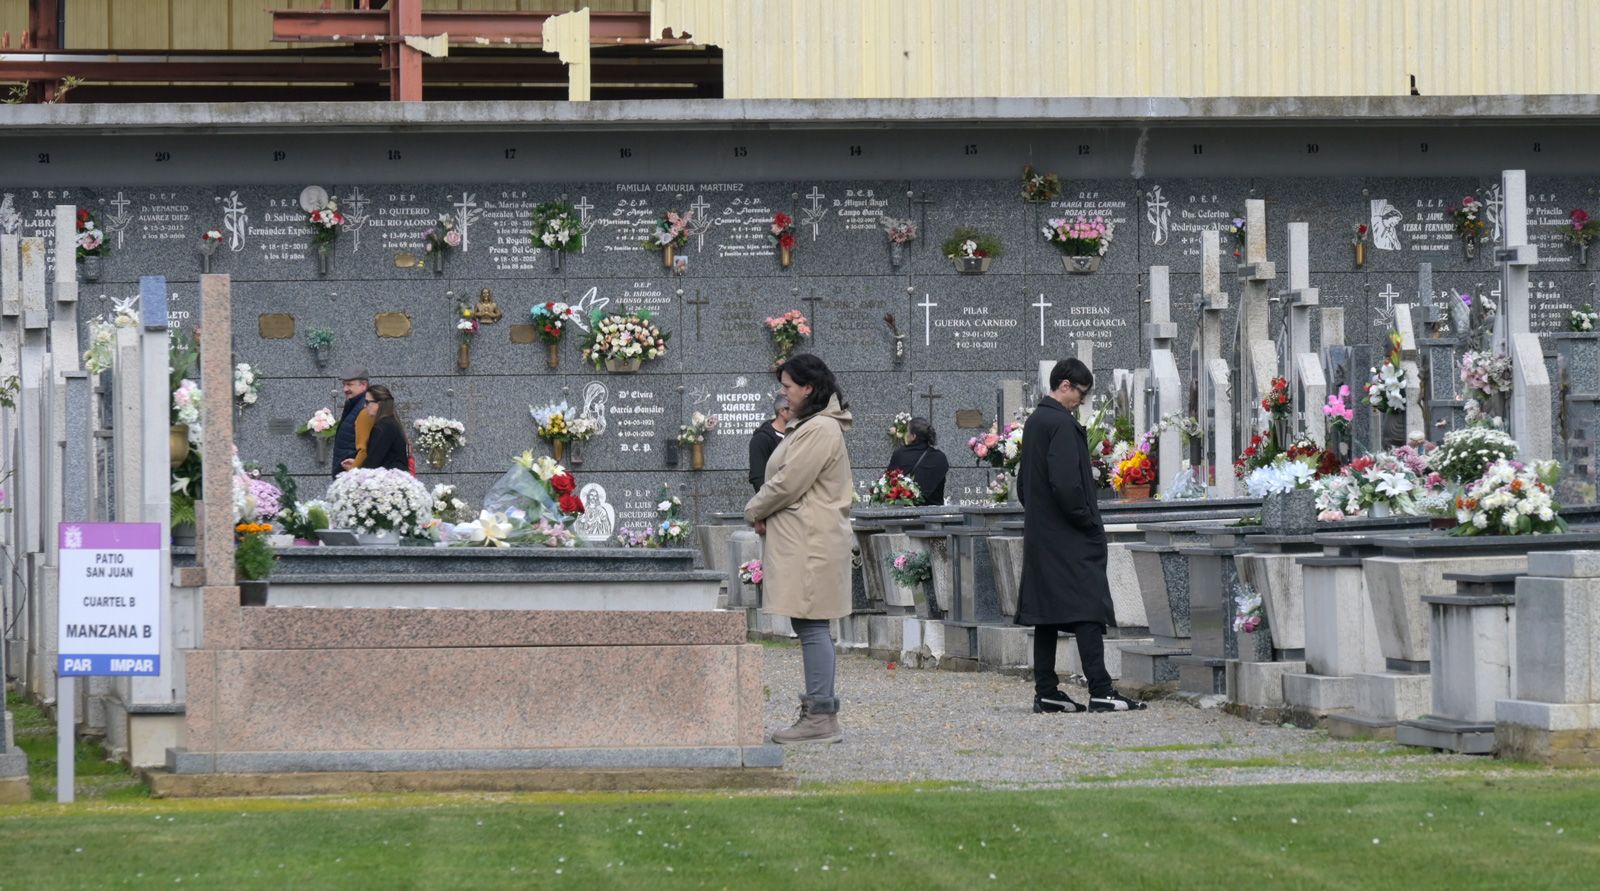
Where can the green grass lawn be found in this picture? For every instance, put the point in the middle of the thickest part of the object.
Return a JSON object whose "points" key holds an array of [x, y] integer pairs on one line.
{"points": [[1524, 832]]}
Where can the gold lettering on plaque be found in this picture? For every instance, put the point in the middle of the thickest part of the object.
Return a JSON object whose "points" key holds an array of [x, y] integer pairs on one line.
{"points": [[393, 324], [970, 419], [524, 333], [276, 326]]}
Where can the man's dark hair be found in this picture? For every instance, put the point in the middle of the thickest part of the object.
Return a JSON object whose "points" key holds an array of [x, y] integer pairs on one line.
{"points": [[808, 370], [1071, 370], [922, 431]]}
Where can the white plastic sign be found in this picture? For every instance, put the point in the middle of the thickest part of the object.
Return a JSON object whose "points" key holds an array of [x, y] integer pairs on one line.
{"points": [[110, 599]]}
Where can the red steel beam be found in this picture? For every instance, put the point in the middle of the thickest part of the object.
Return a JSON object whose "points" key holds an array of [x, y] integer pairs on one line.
{"points": [[374, 26], [360, 70]]}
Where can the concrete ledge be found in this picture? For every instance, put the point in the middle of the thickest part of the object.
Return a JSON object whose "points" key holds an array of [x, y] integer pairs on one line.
{"points": [[1151, 665], [168, 785], [1393, 696], [1319, 694], [1348, 726], [1560, 748], [1431, 732], [1545, 715], [13, 763], [183, 762], [1259, 685], [312, 628]]}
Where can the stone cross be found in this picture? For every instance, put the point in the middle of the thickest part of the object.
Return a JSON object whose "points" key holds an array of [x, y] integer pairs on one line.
{"points": [[1208, 344], [1302, 298], [698, 303], [219, 597], [1515, 258], [152, 446], [1166, 383], [1160, 331], [930, 396], [922, 203], [927, 306], [1257, 354], [1221, 409]]}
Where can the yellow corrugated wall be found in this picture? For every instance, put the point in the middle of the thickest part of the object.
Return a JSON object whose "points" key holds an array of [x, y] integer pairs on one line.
{"points": [[940, 48]]}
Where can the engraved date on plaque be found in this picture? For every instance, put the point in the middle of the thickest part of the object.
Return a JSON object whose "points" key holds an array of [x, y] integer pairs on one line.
{"points": [[970, 419], [393, 324], [276, 326], [524, 333]]}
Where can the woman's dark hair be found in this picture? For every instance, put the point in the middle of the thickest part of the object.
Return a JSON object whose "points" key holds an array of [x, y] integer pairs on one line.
{"points": [[807, 370], [380, 394], [922, 431], [1071, 370]]}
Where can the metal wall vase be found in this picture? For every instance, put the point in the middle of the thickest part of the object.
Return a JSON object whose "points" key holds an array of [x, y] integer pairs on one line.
{"points": [[324, 258], [436, 260], [91, 268], [555, 259], [897, 254]]}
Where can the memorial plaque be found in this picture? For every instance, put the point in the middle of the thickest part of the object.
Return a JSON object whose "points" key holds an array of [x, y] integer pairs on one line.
{"points": [[393, 324], [524, 333], [971, 419], [276, 326]]}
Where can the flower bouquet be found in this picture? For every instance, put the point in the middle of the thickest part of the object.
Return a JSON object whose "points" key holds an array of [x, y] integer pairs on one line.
{"points": [[620, 342], [1359, 240], [550, 322], [466, 328], [910, 569], [325, 223], [1236, 228], [671, 528], [999, 448], [1248, 611], [535, 489], [322, 424], [750, 572], [1582, 319], [1470, 225], [91, 245], [787, 331], [1465, 453], [100, 355], [693, 434], [897, 489], [1000, 488], [1081, 241], [552, 425], [1134, 475], [1580, 233], [380, 502], [1386, 392], [448, 507], [780, 232], [1338, 411], [1511, 499], [900, 429], [1037, 187], [971, 250], [246, 385], [320, 342], [671, 233], [210, 240], [439, 239], [900, 233], [439, 436], [1485, 372], [557, 228]]}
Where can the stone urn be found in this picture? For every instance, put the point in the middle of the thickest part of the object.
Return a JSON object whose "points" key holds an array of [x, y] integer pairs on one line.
{"points": [[1290, 513], [623, 366], [437, 457], [91, 268], [971, 265], [1081, 265], [697, 456], [252, 592], [178, 443]]}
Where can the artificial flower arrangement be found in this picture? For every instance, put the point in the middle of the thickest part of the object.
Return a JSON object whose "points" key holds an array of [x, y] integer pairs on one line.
{"points": [[1134, 470], [322, 424], [900, 428], [971, 250], [750, 572], [694, 432], [557, 227], [671, 528], [1188, 427], [550, 320], [100, 355], [1338, 409], [441, 238], [623, 340], [91, 240], [1037, 187], [186, 405], [1257, 453], [1582, 319], [1396, 481], [895, 488], [447, 506], [1386, 389], [325, 223], [1582, 230], [780, 233], [581, 429], [210, 240], [1000, 488], [1359, 240], [671, 233], [551, 421], [442, 435], [1469, 222], [1101, 446], [787, 331], [372, 500], [901, 232], [1465, 453], [1485, 372], [1295, 467], [1236, 228], [531, 505], [1079, 237], [910, 568], [1511, 499], [1248, 611], [246, 384], [320, 339], [1276, 403], [1001, 447], [467, 327]]}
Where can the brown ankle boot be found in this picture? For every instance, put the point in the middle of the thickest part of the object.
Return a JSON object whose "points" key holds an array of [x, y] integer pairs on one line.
{"points": [[814, 725]]}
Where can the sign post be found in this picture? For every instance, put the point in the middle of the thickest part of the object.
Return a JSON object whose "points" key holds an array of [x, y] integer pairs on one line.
{"points": [[110, 618]]}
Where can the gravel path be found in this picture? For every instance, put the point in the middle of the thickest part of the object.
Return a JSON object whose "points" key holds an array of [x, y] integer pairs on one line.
{"points": [[931, 726]]}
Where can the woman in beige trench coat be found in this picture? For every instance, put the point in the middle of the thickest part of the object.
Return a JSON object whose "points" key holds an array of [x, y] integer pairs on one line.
{"points": [[803, 513]]}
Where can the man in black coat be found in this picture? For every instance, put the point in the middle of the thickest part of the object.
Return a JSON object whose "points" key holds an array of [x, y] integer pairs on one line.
{"points": [[1064, 586], [345, 438], [765, 440]]}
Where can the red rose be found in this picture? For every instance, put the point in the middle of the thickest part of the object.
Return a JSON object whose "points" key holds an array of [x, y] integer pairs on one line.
{"points": [[782, 220], [571, 504], [83, 215], [563, 483], [786, 240]]}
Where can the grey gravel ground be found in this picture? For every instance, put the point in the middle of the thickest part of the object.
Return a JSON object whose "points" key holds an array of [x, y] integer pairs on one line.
{"points": [[940, 726]]}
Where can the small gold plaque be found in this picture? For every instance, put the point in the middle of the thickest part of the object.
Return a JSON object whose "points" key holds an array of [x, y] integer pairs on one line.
{"points": [[406, 260], [524, 333], [276, 326], [393, 324], [970, 419]]}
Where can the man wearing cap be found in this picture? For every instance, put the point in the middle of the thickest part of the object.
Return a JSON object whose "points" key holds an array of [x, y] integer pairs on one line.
{"points": [[355, 425]]}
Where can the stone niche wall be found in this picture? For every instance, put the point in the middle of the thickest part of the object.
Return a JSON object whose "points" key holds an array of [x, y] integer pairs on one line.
{"points": [[963, 333]]}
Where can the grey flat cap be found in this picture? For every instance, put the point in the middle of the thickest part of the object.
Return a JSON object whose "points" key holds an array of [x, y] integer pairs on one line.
{"points": [[356, 374]]}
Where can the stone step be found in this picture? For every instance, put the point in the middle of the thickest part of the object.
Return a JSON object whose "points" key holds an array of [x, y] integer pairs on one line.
{"points": [[1151, 665], [1433, 732]]}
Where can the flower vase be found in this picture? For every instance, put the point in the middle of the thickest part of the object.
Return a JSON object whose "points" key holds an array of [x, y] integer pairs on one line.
{"points": [[555, 259], [1081, 265], [178, 443], [576, 458], [899, 348], [1132, 492], [1290, 513], [205, 262], [1361, 254], [666, 256], [323, 444], [464, 356], [1469, 247], [622, 366], [697, 456], [252, 592], [971, 265], [1380, 510], [785, 257], [897, 254], [386, 538], [320, 356], [552, 354], [324, 258], [91, 268], [437, 456], [1494, 405], [436, 260], [1393, 432], [558, 449], [1583, 255]]}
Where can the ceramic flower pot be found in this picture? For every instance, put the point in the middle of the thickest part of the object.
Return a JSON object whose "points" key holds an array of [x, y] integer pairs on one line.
{"points": [[697, 456], [552, 354], [1081, 265], [178, 443], [622, 366], [253, 592], [91, 268], [387, 538], [972, 265], [437, 456]]}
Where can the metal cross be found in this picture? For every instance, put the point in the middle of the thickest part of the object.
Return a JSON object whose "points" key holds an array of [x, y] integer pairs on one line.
{"points": [[1042, 305], [927, 305], [696, 303], [922, 203], [811, 311], [930, 396]]}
